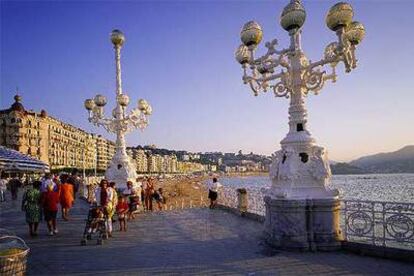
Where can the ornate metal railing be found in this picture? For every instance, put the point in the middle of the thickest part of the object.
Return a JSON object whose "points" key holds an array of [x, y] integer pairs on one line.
{"points": [[228, 197], [379, 223]]}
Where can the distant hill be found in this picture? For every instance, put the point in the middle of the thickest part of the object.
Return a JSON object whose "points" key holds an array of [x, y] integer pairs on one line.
{"points": [[345, 168], [400, 161]]}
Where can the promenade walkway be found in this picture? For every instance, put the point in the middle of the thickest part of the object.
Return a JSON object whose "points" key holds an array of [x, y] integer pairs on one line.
{"points": [[190, 242]]}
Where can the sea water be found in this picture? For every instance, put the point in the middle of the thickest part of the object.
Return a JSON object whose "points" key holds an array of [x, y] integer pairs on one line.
{"points": [[373, 187]]}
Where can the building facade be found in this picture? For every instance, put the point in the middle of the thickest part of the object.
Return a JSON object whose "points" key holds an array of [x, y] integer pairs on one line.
{"points": [[148, 162], [105, 150], [59, 144]]}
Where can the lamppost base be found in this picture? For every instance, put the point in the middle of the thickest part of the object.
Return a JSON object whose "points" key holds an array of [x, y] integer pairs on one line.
{"points": [[303, 224], [121, 170]]}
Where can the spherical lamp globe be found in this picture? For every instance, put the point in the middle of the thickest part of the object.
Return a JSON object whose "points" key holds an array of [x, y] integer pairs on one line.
{"points": [[251, 33]]}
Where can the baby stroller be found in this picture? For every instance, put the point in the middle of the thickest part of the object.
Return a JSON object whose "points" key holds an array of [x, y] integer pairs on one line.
{"points": [[95, 225]]}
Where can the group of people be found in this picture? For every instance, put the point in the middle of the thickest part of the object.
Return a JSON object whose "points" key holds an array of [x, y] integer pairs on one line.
{"points": [[13, 184], [149, 194], [125, 203], [43, 198]]}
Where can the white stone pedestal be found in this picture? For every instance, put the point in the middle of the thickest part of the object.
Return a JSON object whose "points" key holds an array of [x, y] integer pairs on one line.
{"points": [[303, 224], [121, 170]]}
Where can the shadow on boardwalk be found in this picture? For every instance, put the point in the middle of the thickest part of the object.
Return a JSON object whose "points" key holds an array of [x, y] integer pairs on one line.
{"points": [[192, 242]]}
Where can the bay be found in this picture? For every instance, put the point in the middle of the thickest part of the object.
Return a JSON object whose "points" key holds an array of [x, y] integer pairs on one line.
{"points": [[374, 187]]}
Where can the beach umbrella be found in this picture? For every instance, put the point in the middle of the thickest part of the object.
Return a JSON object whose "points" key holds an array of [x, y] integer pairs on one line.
{"points": [[12, 161]]}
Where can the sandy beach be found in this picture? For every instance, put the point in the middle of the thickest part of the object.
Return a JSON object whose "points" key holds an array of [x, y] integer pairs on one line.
{"points": [[184, 191]]}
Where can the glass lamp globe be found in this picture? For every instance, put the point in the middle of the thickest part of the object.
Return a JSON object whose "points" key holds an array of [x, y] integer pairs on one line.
{"points": [[242, 54], [142, 104], [117, 37], [339, 15], [89, 104], [100, 100], [123, 99], [98, 111], [293, 16], [355, 33], [251, 33]]}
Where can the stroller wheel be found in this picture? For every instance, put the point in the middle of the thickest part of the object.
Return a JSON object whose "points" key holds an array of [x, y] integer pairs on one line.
{"points": [[89, 237], [83, 242], [99, 242]]}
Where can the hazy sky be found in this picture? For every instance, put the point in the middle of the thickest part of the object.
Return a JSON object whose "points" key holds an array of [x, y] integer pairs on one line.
{"points": [[179, 55]]}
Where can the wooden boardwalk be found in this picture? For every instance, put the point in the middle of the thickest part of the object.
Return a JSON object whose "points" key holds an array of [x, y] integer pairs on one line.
{"points": [[190, 242]]}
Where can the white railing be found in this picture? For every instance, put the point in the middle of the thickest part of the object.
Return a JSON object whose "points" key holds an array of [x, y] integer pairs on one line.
{"points": [[255, 204], [227, 197], [180, 204], [388, 224]]}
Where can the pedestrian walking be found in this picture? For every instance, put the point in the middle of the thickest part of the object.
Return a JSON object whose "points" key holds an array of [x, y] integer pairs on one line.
{"points": [[66, 195], [14, 185], [213, 193], [50, 201], [133, 197], [104, 198], [143, 189], [114, 199], [76, 182], [46, 181], [31, 205], [122, 210], [3, 188], [149, 191]]}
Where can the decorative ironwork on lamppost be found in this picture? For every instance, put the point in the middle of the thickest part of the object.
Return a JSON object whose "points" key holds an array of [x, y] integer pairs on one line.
{"points": [[301, 168], [121, 169]]}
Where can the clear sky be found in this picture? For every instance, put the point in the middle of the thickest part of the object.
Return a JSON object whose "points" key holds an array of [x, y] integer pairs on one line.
{"points": [[179, 55]]}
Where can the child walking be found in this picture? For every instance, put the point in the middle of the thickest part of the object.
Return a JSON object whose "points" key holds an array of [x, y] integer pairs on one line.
{"points": [[122, 211]]}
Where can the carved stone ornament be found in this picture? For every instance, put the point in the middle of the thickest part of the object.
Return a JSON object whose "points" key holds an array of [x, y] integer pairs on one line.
{"points": [[292, 177]]}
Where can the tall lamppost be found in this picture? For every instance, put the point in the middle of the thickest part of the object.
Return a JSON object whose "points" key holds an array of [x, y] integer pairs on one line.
{"points": [[301, 212], [121, 169]]}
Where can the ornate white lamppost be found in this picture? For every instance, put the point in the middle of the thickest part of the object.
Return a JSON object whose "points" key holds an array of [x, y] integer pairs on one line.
{"points": [[301, 212], [121, 169]]}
